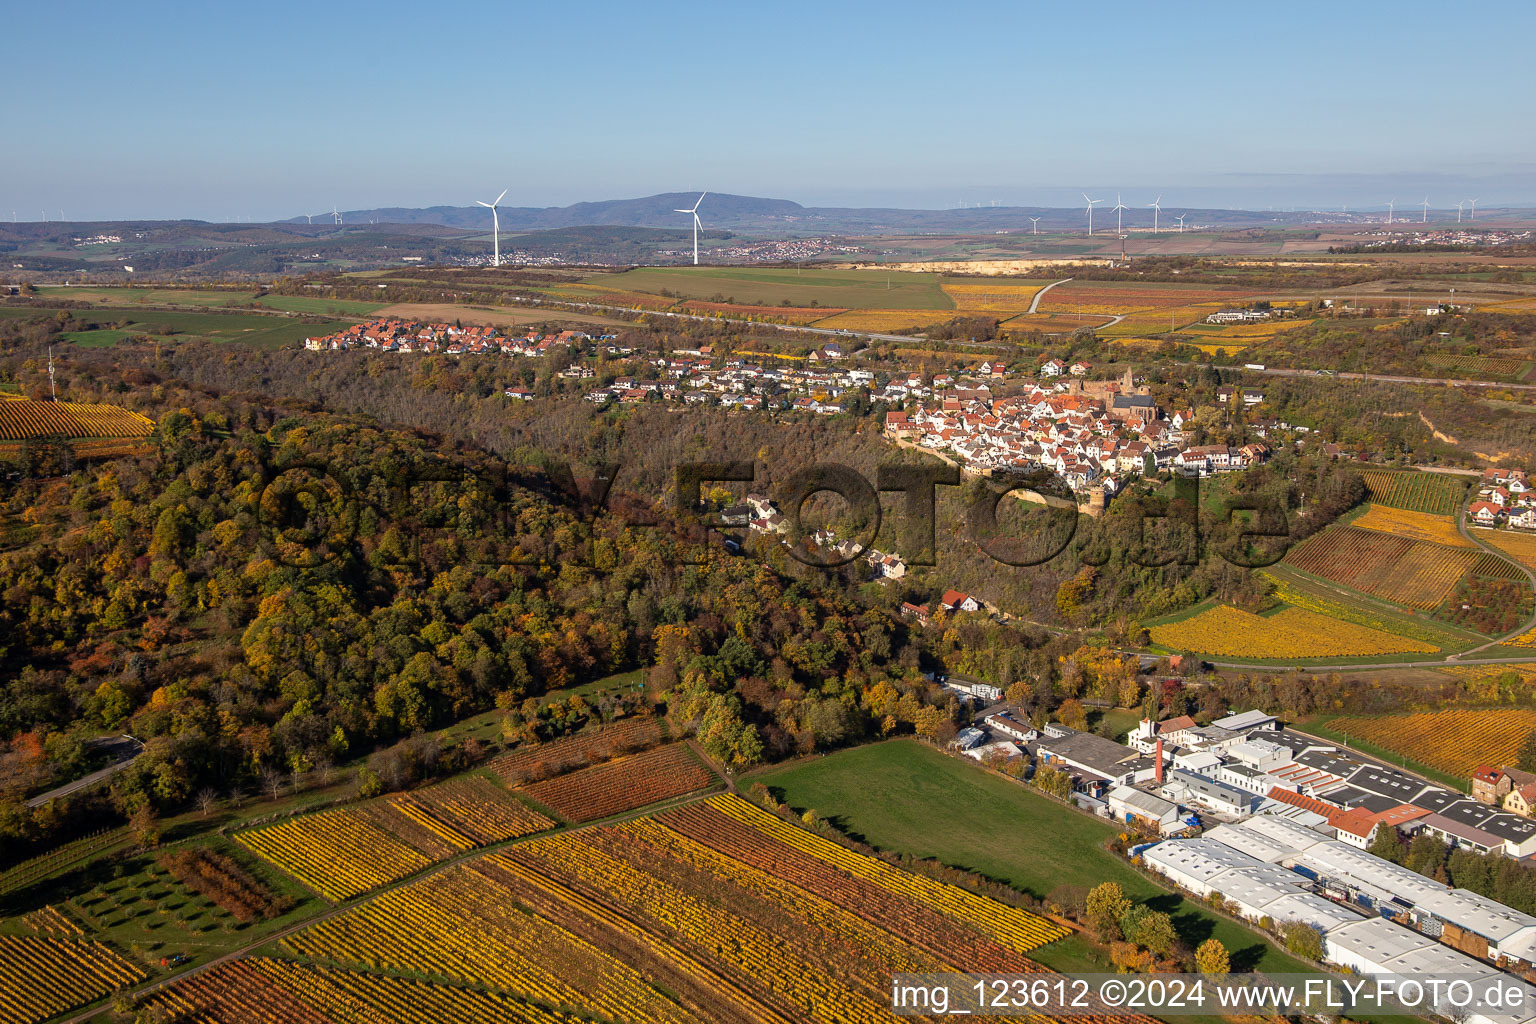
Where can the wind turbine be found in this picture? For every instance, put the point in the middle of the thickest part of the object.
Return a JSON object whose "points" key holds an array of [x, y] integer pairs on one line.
{"points": [[335, 217], [1180, 219], [1470, 202], [694, 213], [1091, 203], [1156, 209], [1459, 207], [1390, 203], [495, 228], [1035, 221], [1425, 219], [1119, 206]]}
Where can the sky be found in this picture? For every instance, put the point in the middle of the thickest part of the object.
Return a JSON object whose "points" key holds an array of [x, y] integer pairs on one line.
{"points": [[227, 111]]}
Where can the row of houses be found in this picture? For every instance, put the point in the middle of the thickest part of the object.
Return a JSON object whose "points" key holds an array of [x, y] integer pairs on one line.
{"points": [[1504, 497], [392, 335]]}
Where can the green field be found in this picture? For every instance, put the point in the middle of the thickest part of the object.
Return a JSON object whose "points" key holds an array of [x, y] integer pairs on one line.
{"points": [[851, 289], [256, 330], [149, 296], [908, 798], [308, 304], [104, 338]]}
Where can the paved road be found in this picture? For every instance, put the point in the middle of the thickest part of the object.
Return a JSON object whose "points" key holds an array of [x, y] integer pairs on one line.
{"points": [[1034, 303], [127, 750]]}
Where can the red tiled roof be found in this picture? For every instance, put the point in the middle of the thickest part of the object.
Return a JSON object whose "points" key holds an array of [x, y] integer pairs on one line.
{"points": [[1306, 803]]}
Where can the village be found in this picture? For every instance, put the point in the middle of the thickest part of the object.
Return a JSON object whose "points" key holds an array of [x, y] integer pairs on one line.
{"points": [[1504, 497], [1277, 826], [1092, 433]]}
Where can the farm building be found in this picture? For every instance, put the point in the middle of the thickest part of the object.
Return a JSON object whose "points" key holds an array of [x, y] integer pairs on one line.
{"points": [[1134, 807]]}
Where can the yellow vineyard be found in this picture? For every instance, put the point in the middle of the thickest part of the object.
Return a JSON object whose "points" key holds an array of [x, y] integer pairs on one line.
{"points": [[349, 850], [1452, 741], [996, 297], [712, 911], [44, 976], [1415, 525], [1160, 320], [1225, 631], [21, 419], [1519, 546]]}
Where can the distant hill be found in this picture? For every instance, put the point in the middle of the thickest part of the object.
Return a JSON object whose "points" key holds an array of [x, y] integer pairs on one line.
{"points": [[781, 217]]}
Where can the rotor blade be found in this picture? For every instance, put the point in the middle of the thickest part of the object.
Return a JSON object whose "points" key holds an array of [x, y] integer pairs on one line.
{"points": [[682, 211], [502, 196], [701, 199], [486, 205]]}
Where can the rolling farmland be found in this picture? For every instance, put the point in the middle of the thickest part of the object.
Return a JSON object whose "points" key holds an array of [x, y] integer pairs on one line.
{"points": [[1436, 493], [1228, 632], [1452, 741], [777, 286]]}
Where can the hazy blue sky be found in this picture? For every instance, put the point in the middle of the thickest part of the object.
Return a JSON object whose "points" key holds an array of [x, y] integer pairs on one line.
{"points": [[269, 110]]}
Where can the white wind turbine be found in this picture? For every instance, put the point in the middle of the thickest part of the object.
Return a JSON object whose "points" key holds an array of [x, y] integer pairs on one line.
{"points": [[694, 213], [1425, 218], [1390, 204], [1035, 222], [1180, 219], [1470, 202], [335, 217], [495, 227], [1156, 209], [1091, 203], [1459, 207], [1118, 207]]}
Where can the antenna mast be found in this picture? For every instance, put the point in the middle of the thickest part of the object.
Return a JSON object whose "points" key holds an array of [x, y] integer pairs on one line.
{"points": [[52, 391]]}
